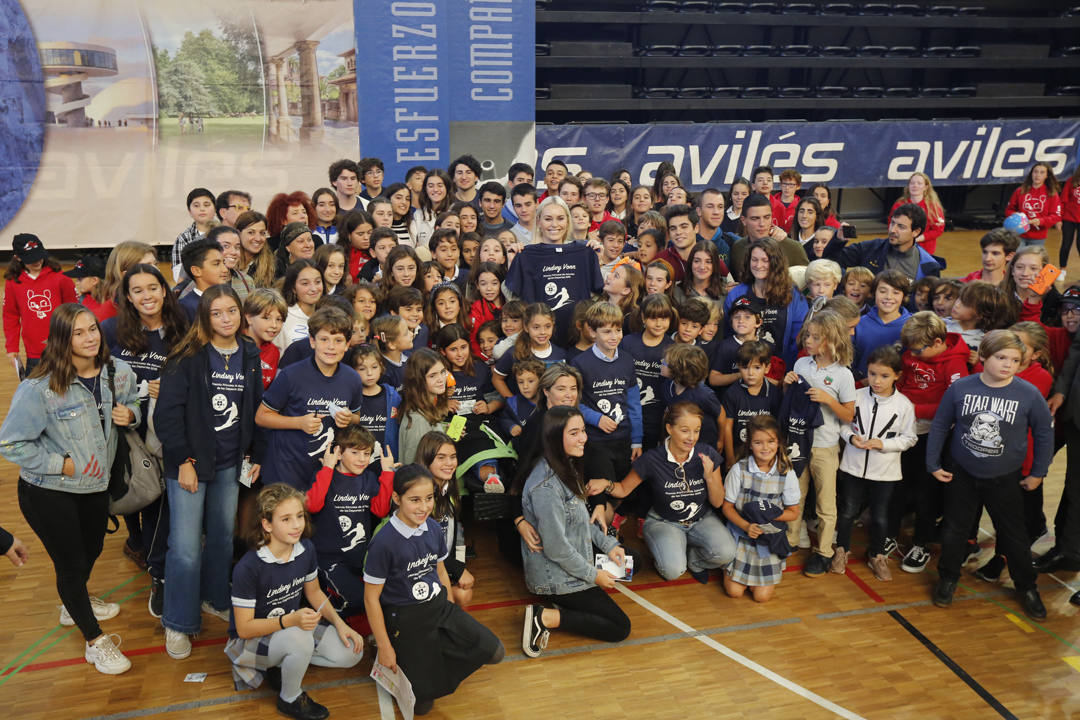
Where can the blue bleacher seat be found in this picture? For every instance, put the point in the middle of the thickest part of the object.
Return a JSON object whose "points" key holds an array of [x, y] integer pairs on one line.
{"points": [[933, 92], [763, 7], [758, 91], [726, 50], [832, 91], [693, 93], [793, 92], [899, 92], [965, 91], [757, 50], [694, 51], [660, 6], [730, 7], [659, 92], [906, 9], [797, 50], [938, 51], [966, 51], [658, 50], [902, 51], [837, 51], [798, 8], [970, 10], [868, 91], [875, 9], [941, 10], [729, 91], [695, 6], [872, 51], [838, 8]]}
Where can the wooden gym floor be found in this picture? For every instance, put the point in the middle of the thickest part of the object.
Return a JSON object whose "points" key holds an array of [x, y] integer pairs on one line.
{"points": [[847, 646]]}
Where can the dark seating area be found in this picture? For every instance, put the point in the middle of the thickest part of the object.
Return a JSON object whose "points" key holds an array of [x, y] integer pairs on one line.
{"points": [[712, 60]]}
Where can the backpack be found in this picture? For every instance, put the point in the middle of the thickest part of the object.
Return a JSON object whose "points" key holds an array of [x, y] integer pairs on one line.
{"points": [[136, 477]]}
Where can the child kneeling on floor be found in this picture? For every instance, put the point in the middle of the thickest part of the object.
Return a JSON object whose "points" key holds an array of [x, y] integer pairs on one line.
{"points": [[270, 634], [761, 495], [407, 594]]}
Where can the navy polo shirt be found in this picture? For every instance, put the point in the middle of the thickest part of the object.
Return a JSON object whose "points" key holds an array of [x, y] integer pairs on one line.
{"points": [[270, 586], [740, 406], [405, 561]]}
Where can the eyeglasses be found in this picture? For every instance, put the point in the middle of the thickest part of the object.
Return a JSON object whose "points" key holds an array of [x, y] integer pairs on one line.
{"points": [[373, 171], [595, 196]]}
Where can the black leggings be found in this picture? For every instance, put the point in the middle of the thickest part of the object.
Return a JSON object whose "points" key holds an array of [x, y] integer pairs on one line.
{"points": [[1068, 234], [72, 529], [591, 613]]}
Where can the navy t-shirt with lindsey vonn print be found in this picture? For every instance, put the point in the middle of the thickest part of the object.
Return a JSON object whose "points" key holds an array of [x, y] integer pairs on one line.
{"points": [[269, 586], [226, 392]]}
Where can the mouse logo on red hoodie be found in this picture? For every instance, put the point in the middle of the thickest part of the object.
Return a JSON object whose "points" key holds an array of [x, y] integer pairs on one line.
{"points": [[1033, 205], [923, 377], [40, 303]]}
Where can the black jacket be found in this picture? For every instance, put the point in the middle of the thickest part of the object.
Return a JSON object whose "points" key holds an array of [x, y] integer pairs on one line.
{"points": [[183, 413]]}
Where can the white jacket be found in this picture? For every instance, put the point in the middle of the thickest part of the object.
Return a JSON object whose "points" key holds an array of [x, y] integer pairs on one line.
{"points": [[890, 419]]}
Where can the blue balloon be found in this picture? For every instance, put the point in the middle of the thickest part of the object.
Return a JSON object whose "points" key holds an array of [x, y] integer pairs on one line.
{"points": [[22, 110], [1018, 223]]}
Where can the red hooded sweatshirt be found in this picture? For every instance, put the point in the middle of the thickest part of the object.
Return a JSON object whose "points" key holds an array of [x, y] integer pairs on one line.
{"points": [[925, 380], [1036, 203], [28, 305]]}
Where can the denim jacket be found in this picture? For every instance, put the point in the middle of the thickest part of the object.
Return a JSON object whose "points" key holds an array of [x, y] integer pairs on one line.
{"points": [[42, 428], [565, 565]]}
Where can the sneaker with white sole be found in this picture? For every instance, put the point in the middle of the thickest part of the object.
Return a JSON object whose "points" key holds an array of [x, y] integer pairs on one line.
{"points": [[177, 644], [879, 565], [102, 611], [211, 610], [916, 559], [534, 636], [155, 604], [891, 546], [104, 654]]}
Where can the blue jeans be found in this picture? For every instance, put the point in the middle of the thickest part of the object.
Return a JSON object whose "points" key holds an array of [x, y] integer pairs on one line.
{"points": [[194, 573], [704, 545]]}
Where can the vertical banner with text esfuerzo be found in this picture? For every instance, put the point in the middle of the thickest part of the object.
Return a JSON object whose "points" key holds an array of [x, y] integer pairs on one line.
{"points": [[440, 78]]}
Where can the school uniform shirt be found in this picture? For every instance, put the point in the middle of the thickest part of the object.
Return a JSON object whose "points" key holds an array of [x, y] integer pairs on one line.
{"points": [[471, 389], [647, 363], [836, 380], [609, 388], [393, 372], [740, 405], [1036, 203], [516, 411], [421, 336], [344, 508], [799, 418], [226, 391], [294, 328], [871, 333], [405, 561], [705, 398], [28, 305], [189, 302], [725, 360], [924, 381], [146, 365], [379, 417], [292, 455], [679, 491], [990, 428], [742, 475], [890, 419], [558, 275], [269, 586]]}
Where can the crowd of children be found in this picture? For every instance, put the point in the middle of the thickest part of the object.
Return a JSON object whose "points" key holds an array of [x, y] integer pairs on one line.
{"points": [[352, 375]]}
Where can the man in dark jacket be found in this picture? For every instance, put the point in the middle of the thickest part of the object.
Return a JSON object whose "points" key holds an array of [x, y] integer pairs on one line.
{"points": [[899, 251]]}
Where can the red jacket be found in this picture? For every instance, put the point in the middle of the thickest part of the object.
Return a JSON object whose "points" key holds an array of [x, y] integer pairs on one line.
{"points": [[934, 225], [784, 215], [1070, 202], [481, 312], [1060, 340], [269, 356], [102, 311], [1036, 203], [924, 381], [1041, 378], [28, 305]]}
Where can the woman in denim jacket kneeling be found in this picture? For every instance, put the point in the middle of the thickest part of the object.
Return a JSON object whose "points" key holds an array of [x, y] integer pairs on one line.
{"points": [[562, 573], [60, 432]]}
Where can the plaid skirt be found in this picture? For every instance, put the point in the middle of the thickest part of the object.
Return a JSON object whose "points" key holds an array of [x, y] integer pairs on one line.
{"points": [[249, 657], [750, 568]]}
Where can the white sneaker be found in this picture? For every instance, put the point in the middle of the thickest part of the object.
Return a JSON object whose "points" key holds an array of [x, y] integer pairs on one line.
{"points": [[211, 610], [106, 657], [177, 644], [102, 611]]}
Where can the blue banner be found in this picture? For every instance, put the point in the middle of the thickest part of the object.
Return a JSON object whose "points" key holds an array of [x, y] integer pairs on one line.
{"points": [[446, 77], [843, 154]]}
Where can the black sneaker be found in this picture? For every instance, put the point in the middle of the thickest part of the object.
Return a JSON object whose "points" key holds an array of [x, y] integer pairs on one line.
{"points": [[302, 708], [156, 603], [915, 560], [943, 592], [702, 576], [890, 547], [534, 636], [816, 565], [1032, 604], [991, 571], [1075, 598]]}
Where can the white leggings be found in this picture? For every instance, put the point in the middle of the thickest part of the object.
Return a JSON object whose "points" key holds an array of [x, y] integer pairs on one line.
{"points": [[294, 649]]}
